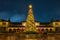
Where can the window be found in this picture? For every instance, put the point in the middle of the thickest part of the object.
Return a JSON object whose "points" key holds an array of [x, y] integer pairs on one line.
{"points": [[46, 29], [50, 29], [42, 29], [14, 30], [56, 24], [4, 23], [10, 30]]}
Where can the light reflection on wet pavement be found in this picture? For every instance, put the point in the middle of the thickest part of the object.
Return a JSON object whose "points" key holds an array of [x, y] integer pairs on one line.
{"points": [[29, 37]]}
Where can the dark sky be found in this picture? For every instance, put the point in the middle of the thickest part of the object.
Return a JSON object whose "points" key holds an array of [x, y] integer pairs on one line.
{"points": [[16, 10]]}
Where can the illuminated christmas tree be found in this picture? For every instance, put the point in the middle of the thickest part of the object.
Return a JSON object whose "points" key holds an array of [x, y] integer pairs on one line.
{"points": [[30, 23]]}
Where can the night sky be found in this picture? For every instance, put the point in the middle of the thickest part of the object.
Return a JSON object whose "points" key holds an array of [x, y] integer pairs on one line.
{"points": [[16, 10]]}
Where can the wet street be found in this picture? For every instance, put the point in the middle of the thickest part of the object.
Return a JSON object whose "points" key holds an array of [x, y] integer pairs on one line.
{"points": [[29, 37]]}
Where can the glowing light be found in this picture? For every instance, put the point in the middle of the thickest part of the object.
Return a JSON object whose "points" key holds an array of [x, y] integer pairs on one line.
{"points": [[36, 28], [30, 6], [37, 24], [22, 29], [40, 29], [24, 24]]}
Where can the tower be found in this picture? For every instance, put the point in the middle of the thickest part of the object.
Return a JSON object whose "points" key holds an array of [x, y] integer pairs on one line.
{"points": [[30, 23]]}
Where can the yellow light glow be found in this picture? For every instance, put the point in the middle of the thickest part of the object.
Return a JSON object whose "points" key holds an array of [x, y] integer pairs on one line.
{"points": [[24, 24], [30, 6], [37, 24]]}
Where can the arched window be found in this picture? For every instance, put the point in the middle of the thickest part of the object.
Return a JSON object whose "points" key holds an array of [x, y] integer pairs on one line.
{"points": [[50, 30], [46, 30], [10, 30], [14, 30], [42, 29]]}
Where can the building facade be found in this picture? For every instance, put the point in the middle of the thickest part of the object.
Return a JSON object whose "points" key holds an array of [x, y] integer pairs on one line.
{"points": [[29, 25]]}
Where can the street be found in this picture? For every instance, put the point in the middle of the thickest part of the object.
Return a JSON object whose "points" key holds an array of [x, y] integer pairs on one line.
{"points": [[30, 37]]}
